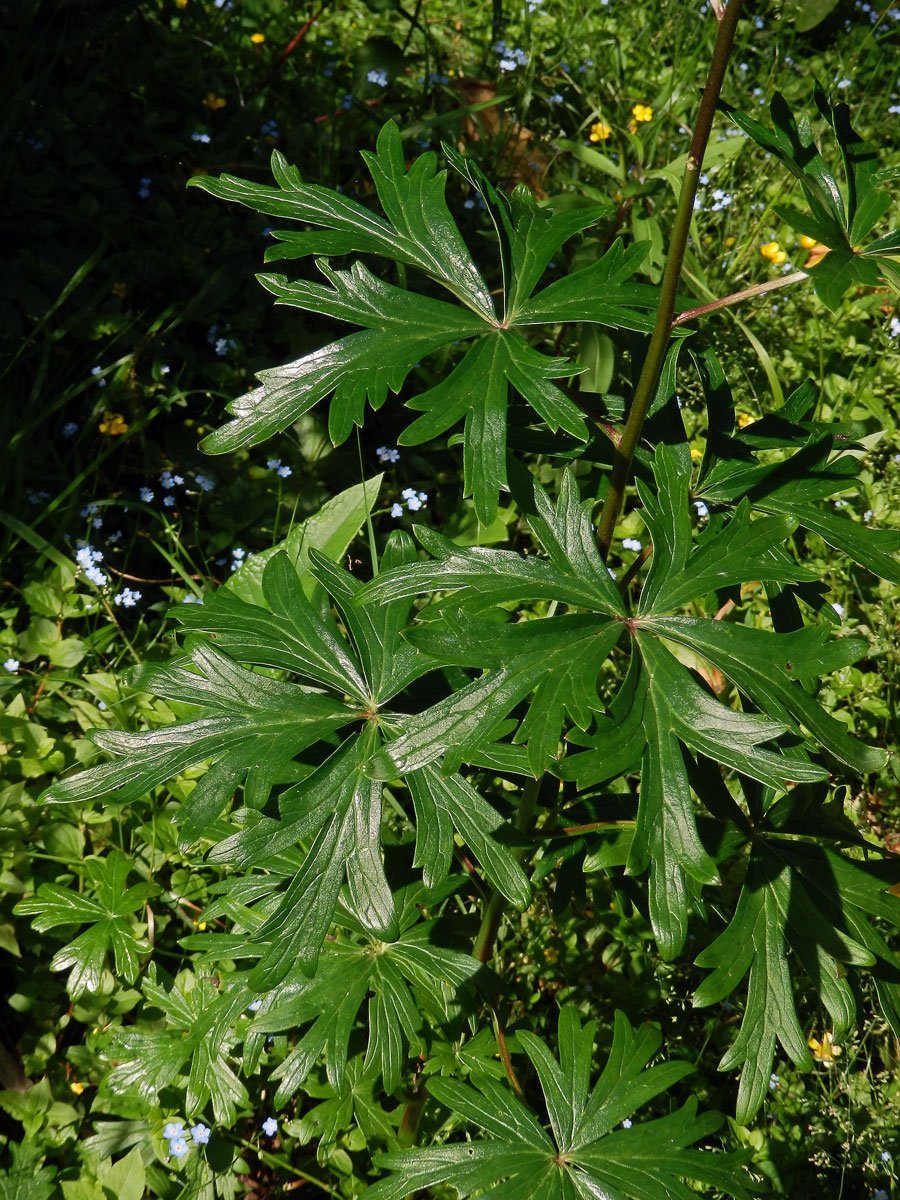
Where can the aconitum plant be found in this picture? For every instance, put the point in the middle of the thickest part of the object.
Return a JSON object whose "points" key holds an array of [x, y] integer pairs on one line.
{"points": [[390, 762]]}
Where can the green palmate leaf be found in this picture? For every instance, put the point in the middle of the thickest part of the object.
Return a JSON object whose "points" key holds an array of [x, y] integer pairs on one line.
{"points": [[421, 231], [581, 1157], [252, 727], [401, 327], [196, 1042], [107, 910], [404, 980], [837, 218], [813, 901]]}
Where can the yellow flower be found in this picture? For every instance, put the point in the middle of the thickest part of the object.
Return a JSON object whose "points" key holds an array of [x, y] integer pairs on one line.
{"points": [[600, 131], [181, 3], [212, 101], [257, 38], [76, 1087], [744, 419], [642, 112], [826, 1050], [201, 925], [729, 241], [807, 242], [119, 289], [113, 424], [632, 127], [773, 252], [695, 453]]}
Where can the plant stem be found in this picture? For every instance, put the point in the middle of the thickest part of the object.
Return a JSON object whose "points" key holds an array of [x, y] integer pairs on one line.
{"points": [[758, 289], [656, 352], [496, 905]]}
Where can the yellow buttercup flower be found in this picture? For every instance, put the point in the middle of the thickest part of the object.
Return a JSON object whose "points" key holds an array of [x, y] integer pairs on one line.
{"points": [[257, 38], [212, 101], [807, 242], [744, 419], [181, 3], [826, 1050], [642, 112], [76, 1087], [773, 252], [600, 131], [119, 289], [113, 424]]}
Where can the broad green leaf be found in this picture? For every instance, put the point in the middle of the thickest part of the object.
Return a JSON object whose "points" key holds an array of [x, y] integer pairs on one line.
{"points": [[517, 1158], [330, 531]]}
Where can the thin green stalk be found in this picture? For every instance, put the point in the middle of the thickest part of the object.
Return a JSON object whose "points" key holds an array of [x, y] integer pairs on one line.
{"points": [[758, 289], [656, 353], [496, 905]]}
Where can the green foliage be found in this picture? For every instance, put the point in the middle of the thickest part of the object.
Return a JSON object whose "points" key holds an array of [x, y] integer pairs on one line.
{"points": [[401, 327], [377, 821], [583, 1155]]}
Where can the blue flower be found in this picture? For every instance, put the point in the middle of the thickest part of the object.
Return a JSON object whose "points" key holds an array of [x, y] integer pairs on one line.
{"points": [[174, 1129], [200, 1133], [221, 347], [178, 1147], [844, 83], [702, 510], [169, 501], [885, 1156], [630, 544], [98, 371], [774, 1082], [387, 455], [164, 369], [144, 189], [626, 1124], [269, 1126], [470, 203], [346, 101], [96, 576], [11, 665], [200, 137], [556, 98], [86, 556], [190, 598], [273, 464], [168, 480], [397, 511], [255, 1005], [378, 75], [127, 598], [146, 495], [204, 483], [284, 472], [69, 429], [101, 704]]}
